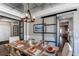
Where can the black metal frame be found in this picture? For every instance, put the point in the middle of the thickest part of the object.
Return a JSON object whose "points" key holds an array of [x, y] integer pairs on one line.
{"points": [[50, 32], [21, 29], [56, 20], [59, 13]]}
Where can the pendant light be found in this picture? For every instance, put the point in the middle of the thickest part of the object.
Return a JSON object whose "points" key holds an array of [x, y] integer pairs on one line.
{"points": [[28, 16]]}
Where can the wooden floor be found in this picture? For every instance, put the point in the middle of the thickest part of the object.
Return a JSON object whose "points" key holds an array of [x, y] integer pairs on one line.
{"points": [[3, 51]]}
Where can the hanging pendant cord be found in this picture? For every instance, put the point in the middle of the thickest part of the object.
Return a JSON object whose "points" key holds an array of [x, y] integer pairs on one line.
{"points": [[29, 12]]}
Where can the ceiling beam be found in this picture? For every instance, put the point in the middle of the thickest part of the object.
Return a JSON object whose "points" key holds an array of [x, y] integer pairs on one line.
{"points": [[13, 12]]}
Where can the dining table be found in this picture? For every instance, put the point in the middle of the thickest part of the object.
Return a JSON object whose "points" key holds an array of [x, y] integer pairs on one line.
{"points": [[24, 47]]}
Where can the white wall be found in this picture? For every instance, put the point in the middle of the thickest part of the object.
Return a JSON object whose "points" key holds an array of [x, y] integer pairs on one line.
{"points": [[76, 32], [36, 36], [6, 28], [4, 31]]}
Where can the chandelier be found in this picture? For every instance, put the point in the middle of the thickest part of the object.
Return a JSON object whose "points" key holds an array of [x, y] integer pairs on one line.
{"points": [[28, 16]]}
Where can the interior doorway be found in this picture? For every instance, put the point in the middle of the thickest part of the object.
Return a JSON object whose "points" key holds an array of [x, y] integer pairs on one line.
{"points": [[63, 33], [65, 30]]}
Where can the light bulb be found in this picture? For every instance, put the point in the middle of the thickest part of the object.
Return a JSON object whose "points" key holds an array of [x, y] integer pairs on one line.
{"points": [[26, 14], [34, 17], [23, 16]]}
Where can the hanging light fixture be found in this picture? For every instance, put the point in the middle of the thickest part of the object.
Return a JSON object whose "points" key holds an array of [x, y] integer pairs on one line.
{"points": [[28, 16]]}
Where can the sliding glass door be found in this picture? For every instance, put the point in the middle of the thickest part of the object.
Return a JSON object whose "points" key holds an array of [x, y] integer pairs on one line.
{"points": [[50, 34]]}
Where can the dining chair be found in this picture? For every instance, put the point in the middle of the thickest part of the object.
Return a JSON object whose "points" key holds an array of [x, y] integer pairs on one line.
{"points": [[7, 47], [14, 52], [18, 53], [13, 39], [67, 50]]}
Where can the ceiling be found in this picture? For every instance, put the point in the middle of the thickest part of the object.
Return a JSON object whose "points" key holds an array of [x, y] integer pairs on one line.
{"points": [[34, 7]]}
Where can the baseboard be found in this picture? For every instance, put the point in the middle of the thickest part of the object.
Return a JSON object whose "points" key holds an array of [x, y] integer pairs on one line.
{"points": [[4, 42]]}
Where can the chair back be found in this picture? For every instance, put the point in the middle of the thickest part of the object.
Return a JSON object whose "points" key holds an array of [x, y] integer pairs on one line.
{"points": [[67, 50], [13, 39]]}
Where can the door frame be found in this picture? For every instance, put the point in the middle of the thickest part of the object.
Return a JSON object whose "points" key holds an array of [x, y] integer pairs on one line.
{"points": [[58, 37]]}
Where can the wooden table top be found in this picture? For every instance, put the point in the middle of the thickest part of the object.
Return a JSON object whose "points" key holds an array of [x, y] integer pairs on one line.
{"points": [[24, 47]]}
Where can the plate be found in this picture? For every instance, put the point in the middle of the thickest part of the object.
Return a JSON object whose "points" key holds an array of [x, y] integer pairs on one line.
{"points": [[50, 49]]}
